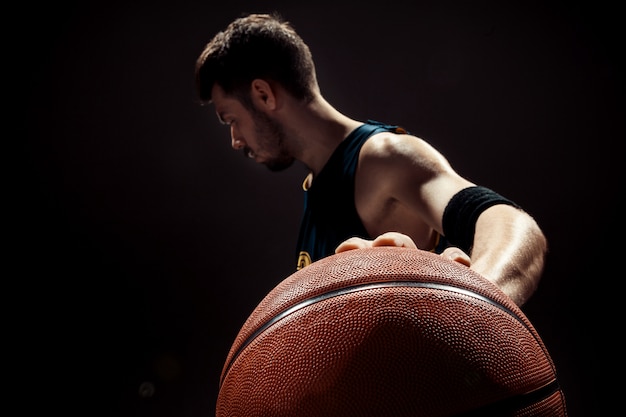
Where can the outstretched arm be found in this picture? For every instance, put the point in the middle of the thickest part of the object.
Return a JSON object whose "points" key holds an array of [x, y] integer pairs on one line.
{"points": [[488, 233]]}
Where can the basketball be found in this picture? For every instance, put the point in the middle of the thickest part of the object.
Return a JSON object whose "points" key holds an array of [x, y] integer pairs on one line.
{"points": [[388, 331]]}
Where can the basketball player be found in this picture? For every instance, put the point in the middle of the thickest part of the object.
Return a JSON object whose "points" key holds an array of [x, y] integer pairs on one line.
{"points": [[370, 183]]}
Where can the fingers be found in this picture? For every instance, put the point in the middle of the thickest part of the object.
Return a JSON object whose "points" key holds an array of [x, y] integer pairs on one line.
{"points": [[394, 239], [402, 241], [457, 255], [386, 239], [353, 243]]}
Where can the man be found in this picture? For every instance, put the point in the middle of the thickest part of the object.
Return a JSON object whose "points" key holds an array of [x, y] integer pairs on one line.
{"points": [[370, 183]]}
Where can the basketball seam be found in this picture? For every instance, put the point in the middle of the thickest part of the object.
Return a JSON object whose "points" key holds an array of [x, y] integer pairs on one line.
{"points": [[356, 288], [510, 405]]}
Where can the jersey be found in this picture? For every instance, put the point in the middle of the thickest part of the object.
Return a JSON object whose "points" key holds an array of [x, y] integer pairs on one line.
{"points": [[330, 214]]}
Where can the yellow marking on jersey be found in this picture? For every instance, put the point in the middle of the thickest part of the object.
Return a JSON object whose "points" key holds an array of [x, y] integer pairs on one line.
{"points": [[304, 259]]}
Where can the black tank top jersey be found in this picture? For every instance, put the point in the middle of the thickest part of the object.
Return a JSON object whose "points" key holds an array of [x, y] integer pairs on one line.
{"points": [[330, 215]]}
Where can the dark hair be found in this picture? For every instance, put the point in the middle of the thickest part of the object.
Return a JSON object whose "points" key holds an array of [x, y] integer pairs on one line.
{"points": [[256, 46]]}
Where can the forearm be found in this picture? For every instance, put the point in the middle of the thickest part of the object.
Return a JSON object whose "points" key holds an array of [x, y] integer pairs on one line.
{"points": [[509, 249]]}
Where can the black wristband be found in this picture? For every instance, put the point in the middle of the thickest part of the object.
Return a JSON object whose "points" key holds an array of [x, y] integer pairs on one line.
{"points": [[462, 211]]}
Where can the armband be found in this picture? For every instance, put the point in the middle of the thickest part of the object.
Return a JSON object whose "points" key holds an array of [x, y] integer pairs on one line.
{"points": [[462, 211]]}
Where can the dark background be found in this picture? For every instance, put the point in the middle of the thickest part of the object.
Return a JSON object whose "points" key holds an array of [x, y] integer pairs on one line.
{"points": [[143, 241]]}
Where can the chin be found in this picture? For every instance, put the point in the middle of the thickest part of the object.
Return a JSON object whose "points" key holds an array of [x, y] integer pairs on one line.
{"points": [[277, 166]]}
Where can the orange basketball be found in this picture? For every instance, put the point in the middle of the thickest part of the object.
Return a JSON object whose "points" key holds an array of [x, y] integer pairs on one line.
{"points": [[388, 332]]}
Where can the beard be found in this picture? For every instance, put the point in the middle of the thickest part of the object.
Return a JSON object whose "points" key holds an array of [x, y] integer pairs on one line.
{"points": [[271, 139]]}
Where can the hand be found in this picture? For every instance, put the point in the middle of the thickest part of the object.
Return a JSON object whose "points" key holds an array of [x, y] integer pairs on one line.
{"points": [[386, 239], [402, 241]]}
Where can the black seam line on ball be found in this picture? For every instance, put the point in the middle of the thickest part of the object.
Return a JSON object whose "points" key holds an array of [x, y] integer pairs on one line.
{"points": [[510, 405], [362, 287]]}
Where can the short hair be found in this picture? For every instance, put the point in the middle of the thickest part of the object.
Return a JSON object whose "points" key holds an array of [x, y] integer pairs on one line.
{"points": [[256, 46]]}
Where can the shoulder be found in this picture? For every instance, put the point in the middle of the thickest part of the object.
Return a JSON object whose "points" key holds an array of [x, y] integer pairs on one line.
{"points": [[388, 150]]}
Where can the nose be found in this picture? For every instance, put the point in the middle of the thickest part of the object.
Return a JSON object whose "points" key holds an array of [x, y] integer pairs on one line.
{"points": [[236, 140]]}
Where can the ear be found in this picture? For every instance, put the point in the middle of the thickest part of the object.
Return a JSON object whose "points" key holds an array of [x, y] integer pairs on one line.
{"points": [[263, 95]]}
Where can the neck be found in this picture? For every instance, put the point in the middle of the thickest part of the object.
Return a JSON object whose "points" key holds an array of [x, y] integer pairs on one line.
{"points": [[316, 129]]}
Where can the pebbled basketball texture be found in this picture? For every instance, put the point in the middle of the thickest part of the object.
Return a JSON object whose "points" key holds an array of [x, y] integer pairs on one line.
{"points": [[388, 331]]}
